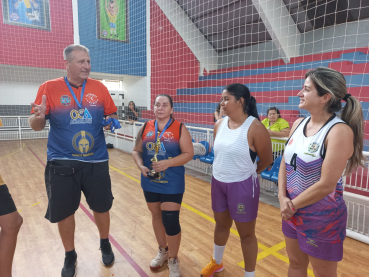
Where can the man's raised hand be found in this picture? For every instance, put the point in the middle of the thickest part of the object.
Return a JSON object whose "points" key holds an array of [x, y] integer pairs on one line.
{"points": [[40, 110]]}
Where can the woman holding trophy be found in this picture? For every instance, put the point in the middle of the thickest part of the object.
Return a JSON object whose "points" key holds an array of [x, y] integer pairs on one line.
{"points": [[238, 139], [162, 147]]}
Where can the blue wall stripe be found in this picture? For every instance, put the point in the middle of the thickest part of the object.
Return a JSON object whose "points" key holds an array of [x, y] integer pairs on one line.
{"points": [[351, 80], [355, 57]]}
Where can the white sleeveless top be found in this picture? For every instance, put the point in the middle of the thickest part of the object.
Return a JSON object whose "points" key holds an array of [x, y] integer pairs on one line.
{"points": [[232, 161]]}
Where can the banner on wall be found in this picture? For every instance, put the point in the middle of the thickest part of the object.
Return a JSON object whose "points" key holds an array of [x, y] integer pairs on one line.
{"points": [[112, 20], [27, 13]]}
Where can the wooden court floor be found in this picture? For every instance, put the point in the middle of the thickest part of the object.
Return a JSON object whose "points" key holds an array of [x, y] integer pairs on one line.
{"points": [[40, 251]]}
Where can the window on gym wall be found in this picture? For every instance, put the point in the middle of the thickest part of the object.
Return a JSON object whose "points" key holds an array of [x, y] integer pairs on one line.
{"points": [[315, 14], [112, 85]]}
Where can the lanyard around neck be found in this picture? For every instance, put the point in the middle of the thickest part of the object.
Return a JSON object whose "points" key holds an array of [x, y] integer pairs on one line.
{"points": [[162, 132], [72, 92]]}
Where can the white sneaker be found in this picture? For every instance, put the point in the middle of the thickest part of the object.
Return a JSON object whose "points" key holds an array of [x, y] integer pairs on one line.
{"points": [[160, 259], [173, 265]]}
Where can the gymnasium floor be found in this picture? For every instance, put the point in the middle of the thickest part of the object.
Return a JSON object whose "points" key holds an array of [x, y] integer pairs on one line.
{"points": [[40, 251]]}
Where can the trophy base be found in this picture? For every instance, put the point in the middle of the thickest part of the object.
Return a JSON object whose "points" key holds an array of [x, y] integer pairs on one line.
{"points": [[153, 175]]}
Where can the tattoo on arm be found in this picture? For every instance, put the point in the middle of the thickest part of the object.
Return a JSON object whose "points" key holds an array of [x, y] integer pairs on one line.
{"points": [[138, 138]]}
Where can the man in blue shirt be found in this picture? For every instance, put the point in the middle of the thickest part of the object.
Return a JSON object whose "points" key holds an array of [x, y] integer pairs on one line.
{"points": [[77, 158]]}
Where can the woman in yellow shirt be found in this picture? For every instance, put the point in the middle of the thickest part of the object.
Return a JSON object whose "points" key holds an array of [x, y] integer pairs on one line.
{"points": [[277, 127]]}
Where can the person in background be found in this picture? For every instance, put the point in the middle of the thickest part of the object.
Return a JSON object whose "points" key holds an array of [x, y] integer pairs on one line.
{"points": [[219, 112], [277, 127], [132, 114]]}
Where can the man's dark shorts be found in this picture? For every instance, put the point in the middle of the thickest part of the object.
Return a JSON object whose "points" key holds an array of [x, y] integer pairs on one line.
{"points": [[65, 179], [7, 205]]}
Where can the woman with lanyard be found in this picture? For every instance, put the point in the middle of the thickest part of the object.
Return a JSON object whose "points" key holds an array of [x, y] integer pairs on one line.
{"points": [[321, 147], [238, 139], [164, 193]]}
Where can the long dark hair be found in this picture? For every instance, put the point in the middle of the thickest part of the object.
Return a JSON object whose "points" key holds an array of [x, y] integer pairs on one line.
{"points": [[134, 105], [170, 101], [241, 91]]}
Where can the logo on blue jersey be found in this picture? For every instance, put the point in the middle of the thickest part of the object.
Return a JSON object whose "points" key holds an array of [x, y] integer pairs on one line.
{"points": [[65, 100], [149, 134], [82, 116], [92, 99], [168, 136], [83, 142], [150, 146]]}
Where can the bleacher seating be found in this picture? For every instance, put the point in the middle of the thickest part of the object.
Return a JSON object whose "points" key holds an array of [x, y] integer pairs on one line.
{"points": [[272, 175], [272, 84], [206, 144]]}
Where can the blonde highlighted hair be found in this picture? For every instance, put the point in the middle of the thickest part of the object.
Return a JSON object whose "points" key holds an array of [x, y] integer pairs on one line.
{"points": [[330, 81]]}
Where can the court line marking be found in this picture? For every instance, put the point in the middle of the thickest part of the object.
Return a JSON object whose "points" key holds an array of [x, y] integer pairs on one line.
{"points": [[266, 250], [35, 204], [20, 149], [128, 258]]}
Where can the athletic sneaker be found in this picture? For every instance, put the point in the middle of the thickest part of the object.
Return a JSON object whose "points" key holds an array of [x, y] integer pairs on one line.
{"points": [[211, 268], [160, 259], [107, 254], [173, 265], [69, 268]]}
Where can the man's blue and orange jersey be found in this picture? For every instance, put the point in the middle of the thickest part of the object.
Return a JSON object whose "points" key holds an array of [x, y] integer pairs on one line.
{"points": [[75, 133], [171, 180]]}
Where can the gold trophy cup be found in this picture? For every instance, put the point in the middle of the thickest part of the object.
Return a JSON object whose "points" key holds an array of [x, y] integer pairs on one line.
{"points": [[153, 174]]}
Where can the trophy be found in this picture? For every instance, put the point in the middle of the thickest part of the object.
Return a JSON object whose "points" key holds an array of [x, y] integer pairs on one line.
{"points": [[153, 174]]}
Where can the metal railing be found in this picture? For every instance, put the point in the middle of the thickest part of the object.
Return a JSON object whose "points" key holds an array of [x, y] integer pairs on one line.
{"points": [[17, 128], [357, 205]]}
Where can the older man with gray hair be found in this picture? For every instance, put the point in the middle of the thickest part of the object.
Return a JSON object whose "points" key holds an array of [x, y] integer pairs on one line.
{"points": [[77, 158]]}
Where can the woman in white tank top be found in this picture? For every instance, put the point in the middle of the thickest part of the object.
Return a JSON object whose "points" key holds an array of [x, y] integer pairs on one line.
{"points": [[317, 153], [235, 189]]}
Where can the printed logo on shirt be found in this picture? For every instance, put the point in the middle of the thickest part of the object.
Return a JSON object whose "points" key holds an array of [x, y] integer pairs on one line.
{"points": [[313, 147], [150, 146], [92, 99], [83, 142], [241, 208], [311, 242], [82, 116], [290, 142], [65, 100], [168, 136], [149, 134]]}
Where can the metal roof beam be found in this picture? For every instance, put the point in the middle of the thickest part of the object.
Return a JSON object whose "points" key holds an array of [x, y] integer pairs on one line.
{"points": [[281, 27], [195, 40]]}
